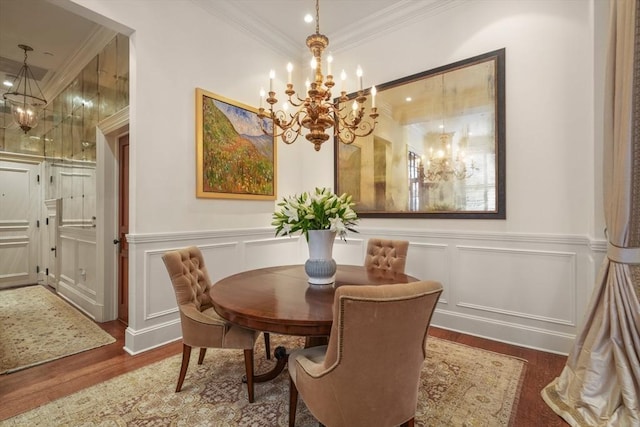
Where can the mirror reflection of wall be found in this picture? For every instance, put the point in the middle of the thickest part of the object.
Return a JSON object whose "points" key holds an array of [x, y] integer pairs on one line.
{"points": [[438, 146], [65, 137]]}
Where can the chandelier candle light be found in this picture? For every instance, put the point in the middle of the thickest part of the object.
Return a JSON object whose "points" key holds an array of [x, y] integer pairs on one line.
{"points": [[317, 112], [25, 105]]}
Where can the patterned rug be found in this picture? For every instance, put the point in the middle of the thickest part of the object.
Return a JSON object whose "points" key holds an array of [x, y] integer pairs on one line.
{"points": [[36, 327], [460, 386]]}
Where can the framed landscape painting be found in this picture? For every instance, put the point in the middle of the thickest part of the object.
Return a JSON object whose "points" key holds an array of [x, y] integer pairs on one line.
{"points": [[235, 158]]}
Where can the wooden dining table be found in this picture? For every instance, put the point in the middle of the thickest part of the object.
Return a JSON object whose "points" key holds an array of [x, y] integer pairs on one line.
{"points": [[280, 300]]}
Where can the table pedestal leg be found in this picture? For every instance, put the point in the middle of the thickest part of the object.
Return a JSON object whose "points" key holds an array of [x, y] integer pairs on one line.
{"points": [[281, 356]]}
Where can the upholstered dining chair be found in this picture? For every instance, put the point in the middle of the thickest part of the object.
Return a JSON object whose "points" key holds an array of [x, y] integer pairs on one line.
{"points": [[386, 255], [369, 373], [201, 326]]}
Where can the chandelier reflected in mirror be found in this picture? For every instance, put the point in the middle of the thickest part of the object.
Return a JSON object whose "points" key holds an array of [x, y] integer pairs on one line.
{"points": [[25, 104], [443, 165], [317, 113]]}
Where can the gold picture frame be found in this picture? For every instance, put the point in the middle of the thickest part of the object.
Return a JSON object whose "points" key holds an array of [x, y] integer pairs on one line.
{"points": [[235, 157]]}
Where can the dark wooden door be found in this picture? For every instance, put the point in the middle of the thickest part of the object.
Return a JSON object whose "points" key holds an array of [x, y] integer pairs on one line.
{"points": [[123, 230]]}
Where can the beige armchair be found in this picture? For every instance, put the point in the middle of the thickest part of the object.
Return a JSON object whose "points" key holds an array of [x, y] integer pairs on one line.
{"points": [[386, 255], [201, 326], [369, 373]]}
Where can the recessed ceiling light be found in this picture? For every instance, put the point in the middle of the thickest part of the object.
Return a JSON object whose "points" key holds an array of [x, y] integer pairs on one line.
{"points": [[408, 99], [308, 18], [7, 83]]}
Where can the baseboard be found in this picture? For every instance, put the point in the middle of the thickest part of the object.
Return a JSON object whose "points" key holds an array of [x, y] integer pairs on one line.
{"points": [[138, 341], [507, 332], [79, 300]]}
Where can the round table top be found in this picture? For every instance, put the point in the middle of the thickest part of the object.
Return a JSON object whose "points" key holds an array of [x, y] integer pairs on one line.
{"points": [[280, 300]]}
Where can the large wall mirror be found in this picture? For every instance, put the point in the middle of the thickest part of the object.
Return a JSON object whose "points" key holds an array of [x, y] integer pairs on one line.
{"points": [[438, 149]]}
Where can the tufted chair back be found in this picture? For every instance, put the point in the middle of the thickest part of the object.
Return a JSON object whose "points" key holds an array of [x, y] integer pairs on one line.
{"points": [[190, 278], [368, 374], [385, 254]]}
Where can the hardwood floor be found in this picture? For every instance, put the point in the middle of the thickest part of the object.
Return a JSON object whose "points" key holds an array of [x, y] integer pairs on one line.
{"points": [[33, 387]]}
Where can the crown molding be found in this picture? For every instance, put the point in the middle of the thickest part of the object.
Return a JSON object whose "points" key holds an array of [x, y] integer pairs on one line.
{"points": [[388, 20], [252, 25], [75, 63], [384, 21]]}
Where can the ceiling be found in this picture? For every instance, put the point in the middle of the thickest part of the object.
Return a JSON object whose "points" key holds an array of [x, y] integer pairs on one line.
{"points": [[56, 35]]}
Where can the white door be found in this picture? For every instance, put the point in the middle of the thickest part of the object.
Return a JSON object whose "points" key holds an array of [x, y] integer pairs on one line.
{"points": [[19, 211]]}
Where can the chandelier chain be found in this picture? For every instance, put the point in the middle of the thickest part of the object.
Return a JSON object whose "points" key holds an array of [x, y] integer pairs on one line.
{"points": [[317, 16]]}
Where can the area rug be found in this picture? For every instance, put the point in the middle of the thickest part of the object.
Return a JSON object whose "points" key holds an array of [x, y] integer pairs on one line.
{"points": [[36, 327], [460, 386]]}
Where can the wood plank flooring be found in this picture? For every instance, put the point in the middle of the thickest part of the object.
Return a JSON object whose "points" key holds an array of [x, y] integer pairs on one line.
{"points": [[33, 387]]}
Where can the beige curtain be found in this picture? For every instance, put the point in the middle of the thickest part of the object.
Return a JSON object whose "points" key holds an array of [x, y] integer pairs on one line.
{"points": [[600, 384]]}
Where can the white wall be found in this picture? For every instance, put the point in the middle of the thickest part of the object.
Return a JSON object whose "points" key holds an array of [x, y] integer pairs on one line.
{"points": [[542, 258], [549, 97], [177, 46]]}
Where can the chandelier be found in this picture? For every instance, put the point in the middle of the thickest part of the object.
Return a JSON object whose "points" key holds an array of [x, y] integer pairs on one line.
{"points": [[318, 112], [442, 165], [24, 104]]}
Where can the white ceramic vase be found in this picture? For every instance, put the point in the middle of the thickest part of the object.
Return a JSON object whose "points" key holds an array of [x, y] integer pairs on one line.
{"points": [[321, 267]]}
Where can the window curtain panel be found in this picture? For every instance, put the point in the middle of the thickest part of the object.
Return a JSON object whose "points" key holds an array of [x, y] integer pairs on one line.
{"points": [[599, 385]]}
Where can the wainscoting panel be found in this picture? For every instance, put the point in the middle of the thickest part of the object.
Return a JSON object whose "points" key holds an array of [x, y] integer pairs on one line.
{"points": [[159, 298], [273, 251], [538, 285], [429, 261], [522, 289], [75, 183], [14, 254], [221, 259], [77, 282], [349, 252]]}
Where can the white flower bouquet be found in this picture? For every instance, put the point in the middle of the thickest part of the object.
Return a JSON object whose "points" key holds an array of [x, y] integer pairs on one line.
{"points": [[320, 210]]}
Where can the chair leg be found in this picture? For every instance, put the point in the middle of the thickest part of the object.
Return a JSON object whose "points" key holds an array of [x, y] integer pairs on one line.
{"points": [[293, 402], [267, 344], [409, 423], [248, 366], [186, 354], [203, 350]]}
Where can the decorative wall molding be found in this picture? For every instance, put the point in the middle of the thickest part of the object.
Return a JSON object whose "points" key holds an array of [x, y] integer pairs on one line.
{"points": [[196, 235], [77, 263], [77, 61], [539, 274], [512, 333], [115, 122], [527, 315]]}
